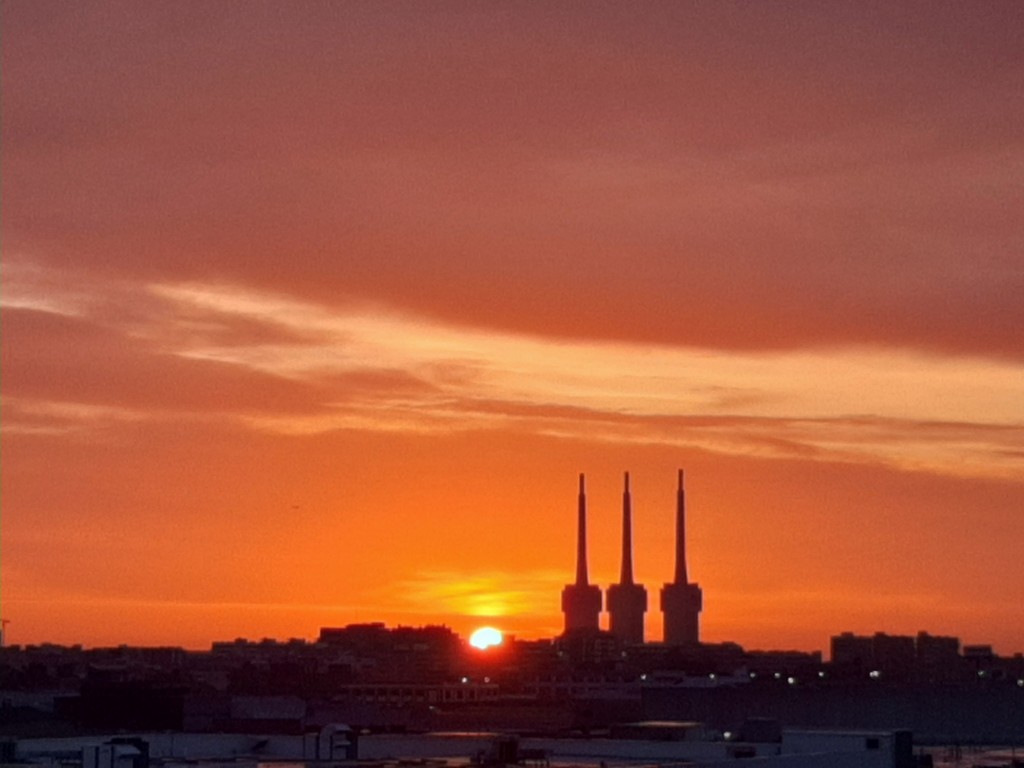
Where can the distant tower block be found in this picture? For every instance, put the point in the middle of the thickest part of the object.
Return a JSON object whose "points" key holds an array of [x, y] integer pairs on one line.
{"points": [[627, 601], [681, 602], [581, 602]]}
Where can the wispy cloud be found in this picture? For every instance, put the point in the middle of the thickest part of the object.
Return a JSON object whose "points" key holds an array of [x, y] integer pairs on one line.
{"points": [[47, 417], [621, 378], [361, 366], [892, 406]]}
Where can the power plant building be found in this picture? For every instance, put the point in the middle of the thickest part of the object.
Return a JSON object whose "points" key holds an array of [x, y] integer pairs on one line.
{"points": [[626, 601]]}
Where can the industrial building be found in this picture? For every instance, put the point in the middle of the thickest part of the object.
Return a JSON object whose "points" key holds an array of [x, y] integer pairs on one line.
{"points": [[626, 601]]}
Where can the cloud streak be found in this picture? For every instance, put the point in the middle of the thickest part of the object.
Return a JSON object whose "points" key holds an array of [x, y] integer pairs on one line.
{"points": [[285, 365], [847, 404]]}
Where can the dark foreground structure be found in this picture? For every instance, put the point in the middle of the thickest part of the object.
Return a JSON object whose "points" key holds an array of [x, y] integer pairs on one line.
{"points": [[936, 714]]}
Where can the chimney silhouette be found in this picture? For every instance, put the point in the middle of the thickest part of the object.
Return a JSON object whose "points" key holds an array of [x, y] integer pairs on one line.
{"points": [[627, 601], [581, 601], [680, 577], [626, 575], [681, 602]]}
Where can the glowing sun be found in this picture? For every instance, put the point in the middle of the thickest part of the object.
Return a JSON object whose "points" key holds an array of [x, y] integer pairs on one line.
{"points": [[485, 637]]}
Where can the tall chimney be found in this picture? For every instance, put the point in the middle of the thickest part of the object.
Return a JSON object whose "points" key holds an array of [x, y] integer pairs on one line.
{"points": [[681, 601], [680, 532], [581, 601], [626, 575], [627, 601], [581, 535]]}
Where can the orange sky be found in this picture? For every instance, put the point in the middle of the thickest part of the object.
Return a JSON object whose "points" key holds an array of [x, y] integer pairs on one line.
{"points": [[312, 313]]}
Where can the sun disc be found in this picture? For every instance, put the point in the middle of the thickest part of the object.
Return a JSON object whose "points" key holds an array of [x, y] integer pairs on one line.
{"points": [[485, 637]]}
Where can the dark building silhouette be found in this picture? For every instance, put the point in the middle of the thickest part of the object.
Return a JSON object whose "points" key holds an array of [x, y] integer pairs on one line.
{"points": [[880, 655], [581, 601], [681, 601], [894, 655], [627, 601], [938, 657], [937, 650], [852, 655]]}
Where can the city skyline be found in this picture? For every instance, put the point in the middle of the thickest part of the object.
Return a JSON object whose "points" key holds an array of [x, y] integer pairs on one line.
{"points": [[313, 314]]}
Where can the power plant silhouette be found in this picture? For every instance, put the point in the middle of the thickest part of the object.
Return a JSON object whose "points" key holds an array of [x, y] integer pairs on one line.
{"points": [[626, 601]]}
